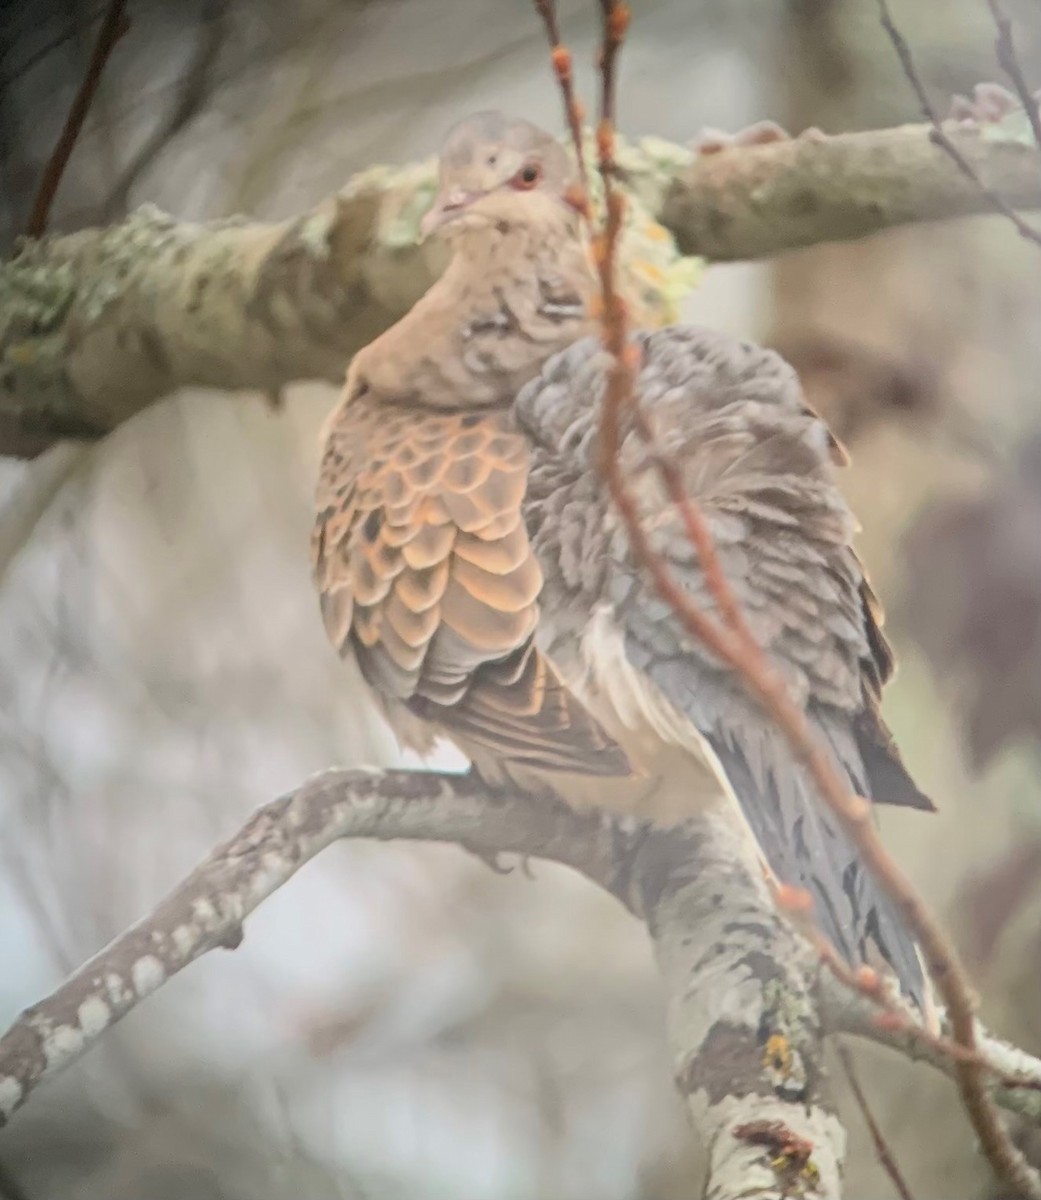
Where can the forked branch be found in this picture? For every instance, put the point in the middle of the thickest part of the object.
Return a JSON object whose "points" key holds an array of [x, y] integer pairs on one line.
{"points": [[748, 1005]]}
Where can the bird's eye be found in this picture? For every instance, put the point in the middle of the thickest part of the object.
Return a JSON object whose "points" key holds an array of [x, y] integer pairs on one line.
{"points": [[527, 177]]}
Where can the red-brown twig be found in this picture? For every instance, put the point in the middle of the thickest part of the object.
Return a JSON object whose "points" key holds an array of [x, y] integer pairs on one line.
{"points": [[885, 1154], [561, 57], [113, 25], [939, 134], [1009, 62], [732, 640], [892, 1015], [616, 18]]}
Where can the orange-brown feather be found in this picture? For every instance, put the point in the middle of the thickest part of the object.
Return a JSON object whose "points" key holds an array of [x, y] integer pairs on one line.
{"points": [[426, 575]]}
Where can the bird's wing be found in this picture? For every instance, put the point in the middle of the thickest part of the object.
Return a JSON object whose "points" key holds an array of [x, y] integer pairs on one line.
{"points": [[426, 574], [759, 463]]}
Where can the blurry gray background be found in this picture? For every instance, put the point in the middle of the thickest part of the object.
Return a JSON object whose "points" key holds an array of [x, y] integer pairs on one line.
{"points": [[400, 1022]]}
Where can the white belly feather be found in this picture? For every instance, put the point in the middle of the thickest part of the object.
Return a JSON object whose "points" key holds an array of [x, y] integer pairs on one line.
{"points": [[684, 775]]}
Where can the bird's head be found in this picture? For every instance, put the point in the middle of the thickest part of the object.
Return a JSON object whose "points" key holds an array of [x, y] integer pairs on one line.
{"points": [[497, 171]]}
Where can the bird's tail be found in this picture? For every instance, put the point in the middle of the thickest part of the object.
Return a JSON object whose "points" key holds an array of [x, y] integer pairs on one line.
{"points": [[806, 847]]}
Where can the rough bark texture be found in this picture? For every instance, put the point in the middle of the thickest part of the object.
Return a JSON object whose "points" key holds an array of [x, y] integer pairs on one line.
{"points": [[208, 908], [741, 204], [743, 1021], [747, 1016], [97, 325]]}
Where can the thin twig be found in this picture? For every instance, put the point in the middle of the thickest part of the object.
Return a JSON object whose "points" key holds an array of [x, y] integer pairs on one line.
{"points": [[885, 1154], [615, 18], [734, 643], [939, 134], [843, 1011], [1009, 62], [192, 91], [561, 58], [113, 25], [893, 1013], [743, 652]]}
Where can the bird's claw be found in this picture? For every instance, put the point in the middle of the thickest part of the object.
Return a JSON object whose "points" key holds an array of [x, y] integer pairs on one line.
{"points": [[491, 860]]}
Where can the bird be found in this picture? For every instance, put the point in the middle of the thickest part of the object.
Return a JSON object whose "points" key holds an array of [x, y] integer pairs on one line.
{"points": [[468, 556]]}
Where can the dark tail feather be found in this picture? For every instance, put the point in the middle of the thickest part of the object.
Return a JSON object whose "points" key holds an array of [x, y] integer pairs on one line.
{"points": [[805, 847], [889, 780]]}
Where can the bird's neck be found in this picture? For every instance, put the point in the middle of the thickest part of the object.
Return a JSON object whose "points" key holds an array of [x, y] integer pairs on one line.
{"points": [[530, 272], [510, 298], [525, 249]]}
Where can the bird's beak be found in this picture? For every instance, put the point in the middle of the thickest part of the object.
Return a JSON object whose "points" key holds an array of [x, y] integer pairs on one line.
{"points": [[446, 207]]}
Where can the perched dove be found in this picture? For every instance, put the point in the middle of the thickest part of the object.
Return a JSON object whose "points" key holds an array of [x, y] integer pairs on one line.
{"points": [[467, 554]]}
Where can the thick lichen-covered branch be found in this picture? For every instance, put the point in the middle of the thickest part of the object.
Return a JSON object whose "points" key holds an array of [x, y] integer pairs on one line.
{"points": [[742, 1009], [748, 1005], [749, 203], [743, 1022], [99, 324], [208, 908]]}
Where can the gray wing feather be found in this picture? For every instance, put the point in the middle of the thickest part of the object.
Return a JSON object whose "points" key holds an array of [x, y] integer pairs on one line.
{"points": [[760, 464]]}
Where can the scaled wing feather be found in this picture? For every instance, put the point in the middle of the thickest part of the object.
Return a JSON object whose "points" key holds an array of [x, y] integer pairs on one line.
{"points": [[427, 576]]}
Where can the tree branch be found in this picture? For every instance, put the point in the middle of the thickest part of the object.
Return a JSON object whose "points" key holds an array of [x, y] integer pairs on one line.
{"points": [[99, 324], [1008, 59], [940, 135], [742, 1017], [748, 1004], [730, 638], [883, 1152], [207, 909], [750, 202], [1012, 1079], [742, 1004]]}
